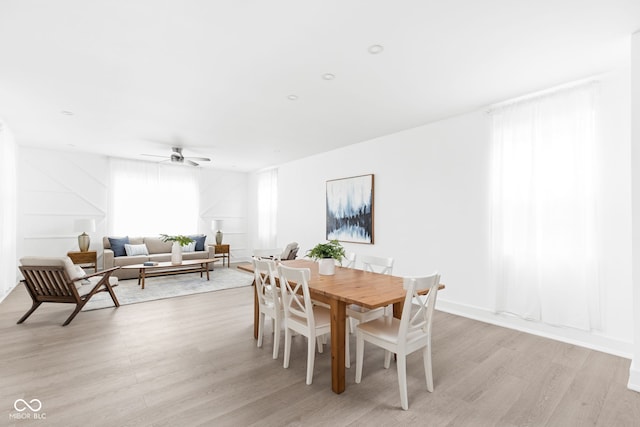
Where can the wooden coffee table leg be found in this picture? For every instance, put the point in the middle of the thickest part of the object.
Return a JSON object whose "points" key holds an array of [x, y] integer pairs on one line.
{"points": [[206, 266], [142, 275]]}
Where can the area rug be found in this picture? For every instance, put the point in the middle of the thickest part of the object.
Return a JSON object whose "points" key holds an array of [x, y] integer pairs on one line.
{"points": [[155, 288]]}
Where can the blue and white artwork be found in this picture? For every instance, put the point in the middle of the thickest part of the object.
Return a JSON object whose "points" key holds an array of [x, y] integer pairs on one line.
{"points": [[350, 209]]}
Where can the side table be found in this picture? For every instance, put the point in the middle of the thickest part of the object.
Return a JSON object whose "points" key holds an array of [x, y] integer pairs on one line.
{"points": [[85, 259], [224, 252]]}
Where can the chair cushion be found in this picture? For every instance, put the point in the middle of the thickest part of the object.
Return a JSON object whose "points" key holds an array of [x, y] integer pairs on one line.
{"points": [[117, 245], [199, 239], [73, 271], [132, 250]]}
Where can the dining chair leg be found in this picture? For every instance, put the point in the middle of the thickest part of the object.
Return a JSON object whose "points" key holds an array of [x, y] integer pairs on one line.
{"points": [[276, 337], [387, 359], [428, 371], [260, 329], [287, 347], [402, 380], [320, 340], [311, 356], [359, 357], [347, 350]]}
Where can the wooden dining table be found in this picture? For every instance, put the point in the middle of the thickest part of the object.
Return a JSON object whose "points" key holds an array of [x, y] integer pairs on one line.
{"points": [[346, 286]]}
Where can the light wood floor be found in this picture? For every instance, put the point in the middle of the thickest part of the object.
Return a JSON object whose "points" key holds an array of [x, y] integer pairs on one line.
{"points": [[193, 361]]}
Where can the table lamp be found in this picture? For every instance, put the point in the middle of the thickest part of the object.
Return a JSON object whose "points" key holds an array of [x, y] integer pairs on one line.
{"points": [[84, 225], [216, 224]]}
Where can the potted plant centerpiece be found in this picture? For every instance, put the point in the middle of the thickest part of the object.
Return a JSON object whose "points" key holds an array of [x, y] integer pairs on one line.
{"points": [[327, 254], [176, 249]]}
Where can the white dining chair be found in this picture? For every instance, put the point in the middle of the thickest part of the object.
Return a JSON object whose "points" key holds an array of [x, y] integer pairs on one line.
{"points": [[349, 260], [271, 253], [269, 301], [358, 313], [300, 315], [405, 335]]}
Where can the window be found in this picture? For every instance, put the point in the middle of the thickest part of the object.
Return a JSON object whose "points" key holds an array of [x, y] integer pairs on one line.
{"points": [[544, 208], [148, 198]]}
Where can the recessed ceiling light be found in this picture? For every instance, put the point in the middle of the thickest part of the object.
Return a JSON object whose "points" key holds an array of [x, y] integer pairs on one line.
{"points": [[328, 76], [67, 113], [292, 97], [375, 49]]}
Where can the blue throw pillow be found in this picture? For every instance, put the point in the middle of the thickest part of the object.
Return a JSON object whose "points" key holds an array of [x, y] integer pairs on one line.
{"points": [[117, 245], [199, 239]]}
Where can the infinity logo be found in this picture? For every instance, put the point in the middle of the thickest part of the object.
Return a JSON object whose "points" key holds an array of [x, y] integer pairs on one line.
{"points": [[35, 408]]}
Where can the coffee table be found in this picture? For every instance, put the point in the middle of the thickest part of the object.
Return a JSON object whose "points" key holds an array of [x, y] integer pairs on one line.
{"points": [[167, 267]]}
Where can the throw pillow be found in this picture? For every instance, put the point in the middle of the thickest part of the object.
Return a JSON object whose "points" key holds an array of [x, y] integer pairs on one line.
{"points": [[75, 272], [117, 245], [200, 239], [190, 247], [132, 250]]}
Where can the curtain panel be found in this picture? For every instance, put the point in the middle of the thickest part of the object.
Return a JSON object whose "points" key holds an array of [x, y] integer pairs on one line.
{"points": [[267, 208], [147, 198], [544, 216]]}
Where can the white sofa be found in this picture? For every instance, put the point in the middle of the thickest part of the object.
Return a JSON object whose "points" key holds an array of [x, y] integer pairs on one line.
{"points": [[158, 251]]}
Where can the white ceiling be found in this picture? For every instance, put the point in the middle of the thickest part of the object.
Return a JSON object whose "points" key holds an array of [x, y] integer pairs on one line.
{"points": [[214, 76]]}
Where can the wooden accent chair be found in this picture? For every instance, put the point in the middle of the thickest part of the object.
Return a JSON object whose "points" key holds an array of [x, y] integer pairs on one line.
{"points": [[57, 279]]}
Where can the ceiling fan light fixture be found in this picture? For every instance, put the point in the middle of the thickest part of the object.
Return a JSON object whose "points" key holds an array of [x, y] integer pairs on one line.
{"points": [[292, 97], [177, 157], [328, 76], [375, 49]]}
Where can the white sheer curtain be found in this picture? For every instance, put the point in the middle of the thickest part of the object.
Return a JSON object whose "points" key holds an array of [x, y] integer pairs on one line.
{"points": [[8, 183], [147, 199], [544, 233], [267, 208]]}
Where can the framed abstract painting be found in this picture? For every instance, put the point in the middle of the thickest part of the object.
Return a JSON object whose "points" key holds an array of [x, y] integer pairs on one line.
{"points": [[350, 209]]}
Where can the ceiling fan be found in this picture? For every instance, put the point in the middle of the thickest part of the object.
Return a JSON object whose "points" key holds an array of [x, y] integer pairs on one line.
{"points": [[177, 157]]}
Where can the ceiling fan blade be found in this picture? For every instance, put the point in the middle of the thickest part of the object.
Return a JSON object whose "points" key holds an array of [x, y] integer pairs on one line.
{"points": [[153, 155], [190, 162], [202, 159]]}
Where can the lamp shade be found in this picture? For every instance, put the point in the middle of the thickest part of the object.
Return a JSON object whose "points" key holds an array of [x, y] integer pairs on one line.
{"points": [[216, 224], [84, 225]]}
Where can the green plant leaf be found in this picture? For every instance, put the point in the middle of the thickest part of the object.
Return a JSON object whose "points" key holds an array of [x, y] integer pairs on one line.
{"points": [[332, 249], [183, 240]]}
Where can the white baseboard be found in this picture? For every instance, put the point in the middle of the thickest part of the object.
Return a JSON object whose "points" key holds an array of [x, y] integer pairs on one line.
{"points": [[568, 335], [634, 376]]}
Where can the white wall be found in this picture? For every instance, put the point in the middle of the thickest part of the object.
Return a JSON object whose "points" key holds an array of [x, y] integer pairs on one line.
{"points": [[57, 187], [634, 372], [8, 212], [54, 189], [223, 195], [432, 211]]}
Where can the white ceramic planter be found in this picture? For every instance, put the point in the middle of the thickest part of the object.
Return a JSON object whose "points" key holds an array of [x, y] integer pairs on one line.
{"points": [[326, 266], [176, 253]]}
